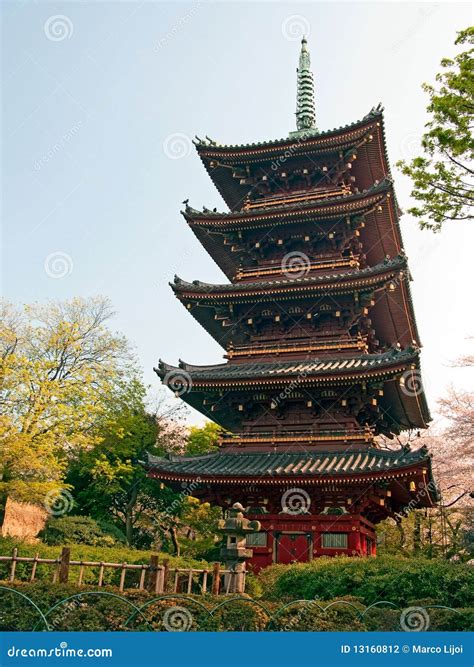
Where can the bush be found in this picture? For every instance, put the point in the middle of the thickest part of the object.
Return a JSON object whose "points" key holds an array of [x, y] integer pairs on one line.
{"points": [[75, 529], [398, 580], [117, 612]]}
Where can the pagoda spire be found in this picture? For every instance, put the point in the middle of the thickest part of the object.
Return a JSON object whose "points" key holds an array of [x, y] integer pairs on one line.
{"points": [[305, 106]]}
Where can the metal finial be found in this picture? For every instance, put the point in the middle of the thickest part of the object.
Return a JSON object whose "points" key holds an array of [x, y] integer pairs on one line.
{"points": [[305, 106]]}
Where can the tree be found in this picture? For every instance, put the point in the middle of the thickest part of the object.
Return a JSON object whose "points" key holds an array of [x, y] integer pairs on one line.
{"points": [[443, 175], [58, 366], [110, 479], [204, 439]]}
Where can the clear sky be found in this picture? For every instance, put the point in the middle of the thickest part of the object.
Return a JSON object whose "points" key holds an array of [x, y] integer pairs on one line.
{"points": [[101, 100]]}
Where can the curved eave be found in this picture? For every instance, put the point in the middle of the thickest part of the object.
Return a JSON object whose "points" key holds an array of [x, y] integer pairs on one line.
{"points": [[400, 404], [282, 468], [324, 209], [321, 144], [340, 281]]}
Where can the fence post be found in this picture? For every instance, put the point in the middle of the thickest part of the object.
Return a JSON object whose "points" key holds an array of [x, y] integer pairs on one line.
{"points": [[35, 564], [13, 568], [165, 574], [64, 565], [216, 578], [152, 573]]}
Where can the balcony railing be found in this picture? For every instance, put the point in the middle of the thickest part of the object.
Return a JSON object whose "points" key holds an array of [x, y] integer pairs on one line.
{"points": [[351, 262], [289, 437], [277, 348], [300, 197]]}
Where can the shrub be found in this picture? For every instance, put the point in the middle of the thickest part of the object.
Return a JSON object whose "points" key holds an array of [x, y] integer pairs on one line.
{"points": [[115, 612], [75, 529], [398, 580]]}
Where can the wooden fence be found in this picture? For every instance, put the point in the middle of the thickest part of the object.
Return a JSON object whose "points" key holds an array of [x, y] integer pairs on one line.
{"points": [[153, 576]]}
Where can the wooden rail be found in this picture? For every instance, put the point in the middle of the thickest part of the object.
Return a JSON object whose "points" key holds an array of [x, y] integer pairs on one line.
{"points": [[152, 576]]}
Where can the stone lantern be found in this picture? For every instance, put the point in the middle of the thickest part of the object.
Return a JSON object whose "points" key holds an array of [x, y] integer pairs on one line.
{"points": [[234, 553]]}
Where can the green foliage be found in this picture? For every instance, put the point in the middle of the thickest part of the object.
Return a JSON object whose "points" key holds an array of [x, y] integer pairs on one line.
{"points": [[58, 368], [397, 580], [75, 529], [109, 480], [116, 554], [442, 177], [203, 440], [104, 612]]}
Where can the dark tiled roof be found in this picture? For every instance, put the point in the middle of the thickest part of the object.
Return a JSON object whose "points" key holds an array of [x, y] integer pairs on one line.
{"points": [[290, 464], [296, 209], [336, 277], [284, 369], [203, 146]]}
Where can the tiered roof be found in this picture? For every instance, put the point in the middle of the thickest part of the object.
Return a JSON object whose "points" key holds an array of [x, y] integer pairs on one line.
{"points": [[358, 193], [402, 409], [271, 468], [366, 136]]}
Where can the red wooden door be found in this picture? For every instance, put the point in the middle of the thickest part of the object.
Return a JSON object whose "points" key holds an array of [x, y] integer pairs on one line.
{"points": [[293, 548]]}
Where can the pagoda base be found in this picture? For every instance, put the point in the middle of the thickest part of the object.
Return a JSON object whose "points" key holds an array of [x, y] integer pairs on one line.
{"points": [[286, 538]]}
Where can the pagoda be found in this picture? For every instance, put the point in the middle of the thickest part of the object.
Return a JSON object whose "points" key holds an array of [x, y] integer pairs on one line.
{"points": [[320, 339]]}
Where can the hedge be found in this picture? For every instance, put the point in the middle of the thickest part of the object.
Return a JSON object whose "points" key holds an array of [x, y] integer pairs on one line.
{"points": [[110, 611], [398, 580]]}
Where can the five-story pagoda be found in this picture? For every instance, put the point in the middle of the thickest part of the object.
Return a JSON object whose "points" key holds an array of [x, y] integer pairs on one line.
{"points": [[320, 339]]}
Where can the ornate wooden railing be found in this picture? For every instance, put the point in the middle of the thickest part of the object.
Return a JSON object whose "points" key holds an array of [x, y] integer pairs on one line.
{"points": [[299, 267], [288, 437], [334, 344], [301, 197]]}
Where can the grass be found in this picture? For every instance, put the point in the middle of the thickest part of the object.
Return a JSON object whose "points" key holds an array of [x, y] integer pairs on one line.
{"points": [[116, 554]]}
